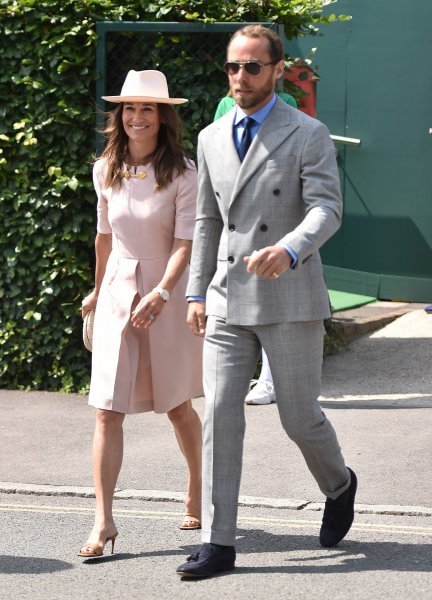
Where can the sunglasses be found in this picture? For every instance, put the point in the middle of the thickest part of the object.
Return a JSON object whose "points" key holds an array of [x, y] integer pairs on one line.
{"points": [[252, 67]]}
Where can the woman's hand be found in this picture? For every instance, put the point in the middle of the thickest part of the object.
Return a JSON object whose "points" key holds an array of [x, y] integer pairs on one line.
{"points": [[89, 303], [145, 312]]}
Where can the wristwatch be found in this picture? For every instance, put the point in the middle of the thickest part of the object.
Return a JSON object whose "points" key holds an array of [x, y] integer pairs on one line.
{"points": [[164, 294]]}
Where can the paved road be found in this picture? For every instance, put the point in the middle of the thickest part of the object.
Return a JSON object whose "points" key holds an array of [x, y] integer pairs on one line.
{"points": [[378, 395], [278, 555]]}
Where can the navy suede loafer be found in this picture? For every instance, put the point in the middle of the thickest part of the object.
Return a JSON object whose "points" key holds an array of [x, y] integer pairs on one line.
{"points": [[338, 515], [208, 560]]}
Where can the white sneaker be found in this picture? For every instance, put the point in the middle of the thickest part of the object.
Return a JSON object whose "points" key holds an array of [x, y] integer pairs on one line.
{"points": [[262, 393]]}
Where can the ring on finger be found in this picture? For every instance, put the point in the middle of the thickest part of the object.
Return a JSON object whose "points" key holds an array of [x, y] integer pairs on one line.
{"points": [[275, 275], [151, 317]]}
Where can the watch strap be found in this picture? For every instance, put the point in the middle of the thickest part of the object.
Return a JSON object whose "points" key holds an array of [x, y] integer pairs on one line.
{"points": [[164, 294]]}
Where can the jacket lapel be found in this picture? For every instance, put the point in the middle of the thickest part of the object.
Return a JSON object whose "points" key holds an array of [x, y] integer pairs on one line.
{"points": [[224, 143], [275, 130]]}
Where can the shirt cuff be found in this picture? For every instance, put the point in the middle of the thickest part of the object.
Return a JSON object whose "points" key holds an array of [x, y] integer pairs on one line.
{"points": [[291, 252], [195, 299]]}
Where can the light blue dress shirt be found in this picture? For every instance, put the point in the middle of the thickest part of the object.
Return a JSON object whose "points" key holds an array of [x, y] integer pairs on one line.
{"points": [[259, 118]]}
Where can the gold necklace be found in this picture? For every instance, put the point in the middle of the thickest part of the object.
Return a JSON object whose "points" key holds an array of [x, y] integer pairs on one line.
{"points": [[142, 175], [127, 174]]}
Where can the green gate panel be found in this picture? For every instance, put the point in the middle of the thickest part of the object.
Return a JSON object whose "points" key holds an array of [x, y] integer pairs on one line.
{"points": [[406, 289], [375, 85], [167, 46], [355, 282], [379, 286]]}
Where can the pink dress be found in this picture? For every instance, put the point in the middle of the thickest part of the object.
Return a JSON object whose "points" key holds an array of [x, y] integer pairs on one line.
{"points": [[138, 370]]}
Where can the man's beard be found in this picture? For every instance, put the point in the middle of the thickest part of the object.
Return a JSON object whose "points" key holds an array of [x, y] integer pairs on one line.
{"points": [[255, 98]]}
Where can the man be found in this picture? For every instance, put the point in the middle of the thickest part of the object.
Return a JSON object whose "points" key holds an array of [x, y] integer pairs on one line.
{"points": [[263, 390], [262, 215]]}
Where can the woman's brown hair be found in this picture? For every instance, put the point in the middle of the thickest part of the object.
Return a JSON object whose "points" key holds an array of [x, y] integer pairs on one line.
{"points": [[169, 159]]}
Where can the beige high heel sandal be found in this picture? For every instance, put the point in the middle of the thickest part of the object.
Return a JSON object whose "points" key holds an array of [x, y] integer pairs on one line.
{"points": [[190, 522], [94, 550]]}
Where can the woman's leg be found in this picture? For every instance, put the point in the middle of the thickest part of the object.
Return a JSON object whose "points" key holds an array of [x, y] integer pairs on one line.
{"points": [[187, 427], [107, 461]]}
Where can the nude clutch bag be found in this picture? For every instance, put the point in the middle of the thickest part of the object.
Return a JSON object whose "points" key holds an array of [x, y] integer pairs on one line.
{"points": [[88, 330]]}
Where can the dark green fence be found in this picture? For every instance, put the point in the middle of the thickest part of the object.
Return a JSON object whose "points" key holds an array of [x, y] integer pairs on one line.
{"points": [[375, 85], [191, 55]]}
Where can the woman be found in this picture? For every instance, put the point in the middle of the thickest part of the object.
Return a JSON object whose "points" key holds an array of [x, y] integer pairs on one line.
{"points": [[146, 192]]}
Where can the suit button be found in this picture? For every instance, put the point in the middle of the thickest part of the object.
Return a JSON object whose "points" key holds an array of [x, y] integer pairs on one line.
{"points": [[263, 227], [231, 227], [217, 194], [276, 192], [230, 259]]}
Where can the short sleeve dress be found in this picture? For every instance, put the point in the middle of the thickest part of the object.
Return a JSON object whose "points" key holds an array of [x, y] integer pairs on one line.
{"points": [[155, 369]]}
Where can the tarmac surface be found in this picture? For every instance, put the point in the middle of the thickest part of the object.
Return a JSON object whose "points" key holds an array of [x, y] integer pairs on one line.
{"points": [[377, 392], [46, 437]]}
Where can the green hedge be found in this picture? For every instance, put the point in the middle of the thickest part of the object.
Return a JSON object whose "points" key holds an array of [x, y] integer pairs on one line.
{"points": [[47, 137]]}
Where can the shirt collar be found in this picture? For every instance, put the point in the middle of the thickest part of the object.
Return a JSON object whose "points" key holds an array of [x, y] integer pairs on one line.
{"points": [[259, 116]]}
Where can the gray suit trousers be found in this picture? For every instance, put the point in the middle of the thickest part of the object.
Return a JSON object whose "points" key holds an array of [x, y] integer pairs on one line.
{"points": [[231, 352]]}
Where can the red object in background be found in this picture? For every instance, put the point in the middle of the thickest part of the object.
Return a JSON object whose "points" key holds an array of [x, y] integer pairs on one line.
{"points": [[305, 78]]}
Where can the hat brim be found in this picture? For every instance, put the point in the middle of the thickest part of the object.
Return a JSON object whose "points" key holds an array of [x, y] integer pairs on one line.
{"points": [[119, 99]]}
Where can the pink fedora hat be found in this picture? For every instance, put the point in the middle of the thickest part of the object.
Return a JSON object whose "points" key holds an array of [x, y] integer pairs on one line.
{"points": [[145, 86]]}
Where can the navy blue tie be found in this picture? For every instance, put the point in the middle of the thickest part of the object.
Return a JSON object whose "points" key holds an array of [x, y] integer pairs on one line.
{"points": [[246, 138]]}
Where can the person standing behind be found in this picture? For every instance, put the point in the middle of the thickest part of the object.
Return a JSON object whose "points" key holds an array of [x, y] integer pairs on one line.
{"points": [[227, 103], [144, 356], [268, 198]]}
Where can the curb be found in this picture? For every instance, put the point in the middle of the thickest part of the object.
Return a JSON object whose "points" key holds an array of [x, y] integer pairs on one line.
{"points": [[247, 501], [360, 326], [365, 319], [354, 328]]}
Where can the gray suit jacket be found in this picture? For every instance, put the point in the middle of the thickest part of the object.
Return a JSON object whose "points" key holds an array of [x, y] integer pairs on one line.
{"points": [[287, 189]]}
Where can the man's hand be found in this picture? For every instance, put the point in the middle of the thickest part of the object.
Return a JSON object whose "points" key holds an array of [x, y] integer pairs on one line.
{"points": [[269, 262], [196, 318]]}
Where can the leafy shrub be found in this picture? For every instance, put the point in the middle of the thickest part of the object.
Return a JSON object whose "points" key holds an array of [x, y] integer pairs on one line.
{"points": [[47, 140]]}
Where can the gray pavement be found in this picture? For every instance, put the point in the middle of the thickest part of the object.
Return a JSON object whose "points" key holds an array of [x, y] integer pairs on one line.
{"points": [[378, 394], [278, 555]]}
